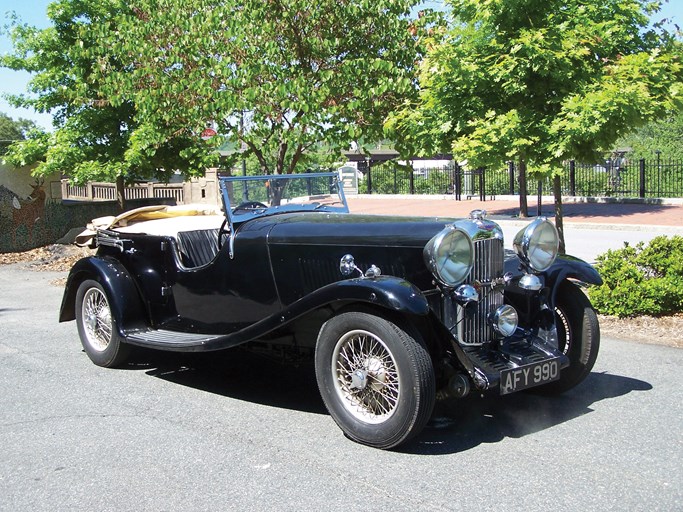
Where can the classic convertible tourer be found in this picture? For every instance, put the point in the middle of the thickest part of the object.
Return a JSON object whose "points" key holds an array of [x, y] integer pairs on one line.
{"points": [[394, 311]]}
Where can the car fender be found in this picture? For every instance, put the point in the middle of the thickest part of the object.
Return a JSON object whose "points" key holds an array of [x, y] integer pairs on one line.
{"points": [[125, 303], [392, 293], [569, 267], [564, 267], [389, 292]]}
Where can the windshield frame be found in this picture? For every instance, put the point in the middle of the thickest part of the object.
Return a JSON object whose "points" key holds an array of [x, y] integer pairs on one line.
{"points": [[230, 185]]}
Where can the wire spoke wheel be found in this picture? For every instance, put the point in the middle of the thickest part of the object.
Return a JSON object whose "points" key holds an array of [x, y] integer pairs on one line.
{"points": [[578, 337], [367, 377], [97, 319], [375, 377], [97, 326]]}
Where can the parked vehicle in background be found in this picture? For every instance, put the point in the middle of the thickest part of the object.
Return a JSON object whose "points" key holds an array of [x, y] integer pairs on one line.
{"points": [[391, 310]]}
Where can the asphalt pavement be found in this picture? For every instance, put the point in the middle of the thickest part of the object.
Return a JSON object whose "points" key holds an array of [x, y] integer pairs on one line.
{"points": [[237, 432]]}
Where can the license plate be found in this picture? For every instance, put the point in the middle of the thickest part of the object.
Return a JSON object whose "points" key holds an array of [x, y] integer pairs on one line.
{"points": [[529, 376]]}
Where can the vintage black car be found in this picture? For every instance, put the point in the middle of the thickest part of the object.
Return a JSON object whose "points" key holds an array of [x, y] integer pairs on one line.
{"points": [[394, 311]]}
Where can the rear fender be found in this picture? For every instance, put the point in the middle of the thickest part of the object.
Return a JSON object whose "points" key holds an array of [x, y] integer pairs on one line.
{"points": [[125, 303]]}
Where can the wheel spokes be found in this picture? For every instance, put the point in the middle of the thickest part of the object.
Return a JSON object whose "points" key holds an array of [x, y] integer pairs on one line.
{"points": [[367, 377], [97, 319]]}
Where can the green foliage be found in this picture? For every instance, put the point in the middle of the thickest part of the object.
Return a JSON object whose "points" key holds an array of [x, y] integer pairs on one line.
{"points": [[94, 138], [641, 280], [11, 130], [275, 76], [541, 81], [664, 136]]}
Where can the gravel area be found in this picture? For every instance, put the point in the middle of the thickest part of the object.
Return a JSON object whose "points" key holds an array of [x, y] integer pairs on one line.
{"points": [[642, 329]]}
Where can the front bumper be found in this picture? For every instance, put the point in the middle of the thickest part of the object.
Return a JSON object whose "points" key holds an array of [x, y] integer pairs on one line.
{"points": [[515, 366]]}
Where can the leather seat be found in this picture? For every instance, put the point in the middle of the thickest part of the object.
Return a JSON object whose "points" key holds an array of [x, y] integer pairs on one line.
{"points": [[197, 248]]}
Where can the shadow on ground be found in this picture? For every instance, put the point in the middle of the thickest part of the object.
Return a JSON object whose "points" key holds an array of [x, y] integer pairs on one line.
{"points": [[455, 426], [587, 210], [239, 375]]}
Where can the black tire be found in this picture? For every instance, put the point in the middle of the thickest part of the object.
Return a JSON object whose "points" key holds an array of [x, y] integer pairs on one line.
{"points": [[376, 379], [97, 327], [578, 333]]}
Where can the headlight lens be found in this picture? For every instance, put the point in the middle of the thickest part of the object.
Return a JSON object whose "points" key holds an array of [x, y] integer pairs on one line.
{"points": [[449, 256], [505, 320], [537, 244]]}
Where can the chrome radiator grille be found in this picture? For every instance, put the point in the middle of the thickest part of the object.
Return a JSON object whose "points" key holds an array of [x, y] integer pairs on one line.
{"points": [[474, 329], [488, 261]]}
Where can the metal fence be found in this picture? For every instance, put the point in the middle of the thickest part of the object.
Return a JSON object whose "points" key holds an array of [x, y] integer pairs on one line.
{"points": [[640, 178]]}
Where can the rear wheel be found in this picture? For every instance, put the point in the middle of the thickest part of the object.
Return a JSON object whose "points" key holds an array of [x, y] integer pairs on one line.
{"points": [[578, 334], [97, 327], [376, 379]]}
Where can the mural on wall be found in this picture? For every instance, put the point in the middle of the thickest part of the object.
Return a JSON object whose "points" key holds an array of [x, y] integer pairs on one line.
{"points": [[26, 213], [32, 213], [37, 220]]}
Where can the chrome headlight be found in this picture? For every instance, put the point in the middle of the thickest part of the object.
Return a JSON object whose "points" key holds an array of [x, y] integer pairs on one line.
{"points": [[504, 320], [537, 244], [449, 255]]}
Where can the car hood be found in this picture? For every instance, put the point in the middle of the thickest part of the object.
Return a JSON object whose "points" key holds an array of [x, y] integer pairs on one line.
{"points": [[305, 249], [348, 229]]}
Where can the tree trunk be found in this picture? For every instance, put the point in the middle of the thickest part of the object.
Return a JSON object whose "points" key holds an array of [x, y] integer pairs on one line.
{"points": [[559, 224], [523, 208], [120, 193]]}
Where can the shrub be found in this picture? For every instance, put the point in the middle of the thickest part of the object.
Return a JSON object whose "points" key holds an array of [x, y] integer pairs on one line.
{"points": [[641, 280]]}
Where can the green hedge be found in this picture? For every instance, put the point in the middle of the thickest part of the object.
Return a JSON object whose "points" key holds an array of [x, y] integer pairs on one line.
{"points": [[641, 280]]}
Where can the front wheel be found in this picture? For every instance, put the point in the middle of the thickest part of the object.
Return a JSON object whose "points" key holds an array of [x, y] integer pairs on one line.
{"points": [[578, 334], [376, 379], [97, 327]]}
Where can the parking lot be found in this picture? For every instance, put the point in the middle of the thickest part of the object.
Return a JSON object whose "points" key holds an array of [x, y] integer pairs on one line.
{"points": [[237, 432]]}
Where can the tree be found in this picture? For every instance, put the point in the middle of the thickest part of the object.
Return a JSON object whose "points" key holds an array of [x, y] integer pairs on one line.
{"points": [[665, 136], [541, 82], [278, 77], [94, 139], [11, 130]]}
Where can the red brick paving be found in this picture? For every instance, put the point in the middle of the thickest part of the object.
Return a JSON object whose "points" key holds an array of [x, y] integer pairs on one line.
{"points": [[590, 213]]}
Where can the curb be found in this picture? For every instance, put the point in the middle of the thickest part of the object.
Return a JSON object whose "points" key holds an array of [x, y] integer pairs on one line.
{"points": [[667, 230]]}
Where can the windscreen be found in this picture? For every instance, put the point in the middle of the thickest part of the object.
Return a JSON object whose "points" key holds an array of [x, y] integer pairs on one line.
{"points": [[251, 196]]}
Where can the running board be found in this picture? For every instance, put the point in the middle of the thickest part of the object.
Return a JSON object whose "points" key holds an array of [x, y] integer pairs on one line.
{"points": [[171, 340]]}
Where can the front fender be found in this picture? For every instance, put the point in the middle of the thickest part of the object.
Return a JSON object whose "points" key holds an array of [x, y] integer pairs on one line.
{"points": [[565, 267], [124, 300], [386, 291], [569, 267]]}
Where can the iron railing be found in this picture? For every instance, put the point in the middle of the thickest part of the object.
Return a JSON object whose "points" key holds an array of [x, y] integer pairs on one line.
{"points": [[637, 179]]}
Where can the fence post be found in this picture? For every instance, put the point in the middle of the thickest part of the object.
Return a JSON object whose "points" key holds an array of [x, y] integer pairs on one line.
{"points": [[641, 168], [511, 171], [482, 192], [539, 207], [572, 177], [457, 182], [411, 178], [369, 177]]}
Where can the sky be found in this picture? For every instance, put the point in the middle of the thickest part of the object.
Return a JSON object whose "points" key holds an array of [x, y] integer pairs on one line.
{"points": [[33, 12]]}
